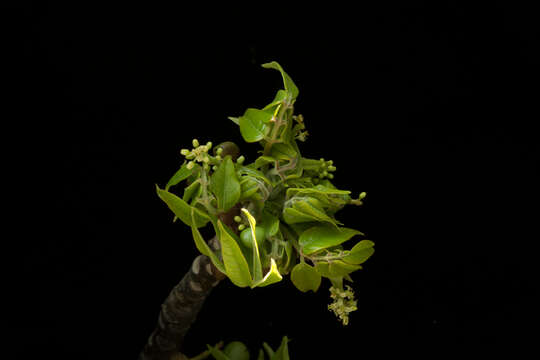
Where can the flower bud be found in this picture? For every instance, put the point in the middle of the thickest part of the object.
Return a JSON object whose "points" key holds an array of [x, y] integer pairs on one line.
{"points": [[237, 219], [331, 168], [241, 227], [208, 145], [190, 165], [184, 152], [195, 143], [219, 151], [240, 160]]}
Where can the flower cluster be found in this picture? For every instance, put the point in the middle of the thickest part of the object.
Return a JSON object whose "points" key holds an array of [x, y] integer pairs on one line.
{"points": [[343, 304], [199, 153]]}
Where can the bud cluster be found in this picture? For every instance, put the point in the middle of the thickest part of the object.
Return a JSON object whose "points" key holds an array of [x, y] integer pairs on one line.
{"points": [[324, 171]]}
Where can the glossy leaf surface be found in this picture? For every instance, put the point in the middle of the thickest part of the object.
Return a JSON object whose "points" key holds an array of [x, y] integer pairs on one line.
{"points": [[236, 266], [224, 185], [203, 247], [322, 237], [360, 252], [253, 124], [290, 86], [181, 209], [305, 277], [182, 174]]}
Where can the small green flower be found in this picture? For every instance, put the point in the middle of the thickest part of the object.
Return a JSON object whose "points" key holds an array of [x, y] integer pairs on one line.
{"points": [[343, 303]]}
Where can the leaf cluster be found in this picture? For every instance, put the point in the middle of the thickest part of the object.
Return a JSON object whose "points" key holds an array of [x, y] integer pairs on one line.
{"points": [[288, 198], [236, 350]]}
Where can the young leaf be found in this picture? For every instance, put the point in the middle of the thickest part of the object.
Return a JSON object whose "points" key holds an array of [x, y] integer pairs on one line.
{"points": [[283, 151], [323, 269], [182, 174], [289, 251], [338, 268], [224, 185], [261, 161], [217, 354], [257, 267], [322, 237], [272, 276], [306, 209], [280, 96], [253, 125], [316, 190], [236, 266], [360, 252], [236, 350], [268, 350], [244, 170], [305, 277], [192, 191], [282, 352], [182, 210], [287, 81], [203, 247], [270, 223], [234, 120]]}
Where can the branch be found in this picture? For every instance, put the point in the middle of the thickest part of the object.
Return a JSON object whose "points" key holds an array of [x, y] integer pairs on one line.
{"points": [[180, 309]]}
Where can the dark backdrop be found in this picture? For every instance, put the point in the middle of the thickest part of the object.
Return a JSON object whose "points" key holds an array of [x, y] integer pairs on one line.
{"points": [[429, 110]]}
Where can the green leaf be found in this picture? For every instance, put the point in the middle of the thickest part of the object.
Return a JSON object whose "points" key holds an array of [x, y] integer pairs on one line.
{"points": [[261, 161], [272, 276], [234, 120], [278, 99], [289, 252], [305, 277], [203, 247], [322, 268], [270, 223], [316, 190], [257, 267], [282, 352], [360, 252], [261, 355], [268, 350], [236, 266], [244, 170], [338, 268], [306, 209], [253, 125], [182, 174], [182, 210], [192, 191], [236, 350], [224, 185], [282, 151], [287, 81], [217, 354], [322, 237], [249, 188]]}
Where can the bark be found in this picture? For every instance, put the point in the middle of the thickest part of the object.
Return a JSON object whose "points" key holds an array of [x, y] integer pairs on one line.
{"points": [[180, 309]]}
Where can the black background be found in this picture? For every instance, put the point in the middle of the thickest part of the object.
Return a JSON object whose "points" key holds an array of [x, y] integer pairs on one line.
{"points": [[430, 110]]}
